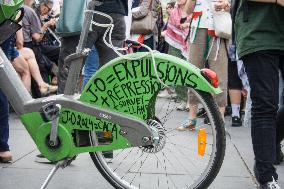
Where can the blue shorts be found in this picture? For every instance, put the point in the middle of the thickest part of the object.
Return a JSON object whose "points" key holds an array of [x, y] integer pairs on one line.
{"points": [[9, 48]]}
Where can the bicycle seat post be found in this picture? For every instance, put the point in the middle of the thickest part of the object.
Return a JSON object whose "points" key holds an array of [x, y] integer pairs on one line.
{"points": [[76, 64], [86, 25]]}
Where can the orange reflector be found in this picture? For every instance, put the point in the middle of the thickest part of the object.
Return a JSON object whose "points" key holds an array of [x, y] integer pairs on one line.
{"points": [[201, 141], [107, 134]]}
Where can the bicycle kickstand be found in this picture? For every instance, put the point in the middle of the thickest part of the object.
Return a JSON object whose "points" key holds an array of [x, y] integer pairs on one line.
{"points": [[60, 164]]}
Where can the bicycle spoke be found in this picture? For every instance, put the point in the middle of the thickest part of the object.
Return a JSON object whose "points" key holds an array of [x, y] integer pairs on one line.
{"points": [[180, 163]]}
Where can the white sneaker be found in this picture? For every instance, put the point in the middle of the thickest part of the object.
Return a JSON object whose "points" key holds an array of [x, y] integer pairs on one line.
{"points": [[183, 106], [270, 185]]}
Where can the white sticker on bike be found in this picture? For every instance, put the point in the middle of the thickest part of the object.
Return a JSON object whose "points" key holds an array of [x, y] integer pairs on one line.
{"points": [[105, 116]]}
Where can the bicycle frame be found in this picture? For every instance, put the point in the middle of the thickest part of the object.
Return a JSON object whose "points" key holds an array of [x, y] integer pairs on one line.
{"points": [[103, 105]]}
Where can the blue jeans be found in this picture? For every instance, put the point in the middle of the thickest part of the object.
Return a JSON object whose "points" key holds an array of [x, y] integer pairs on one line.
{"points": [[9, 48], [262, 68], [4, 123], [91, 65]]}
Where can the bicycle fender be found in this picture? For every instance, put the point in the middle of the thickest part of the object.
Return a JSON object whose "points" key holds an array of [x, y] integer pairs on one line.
{"points": [[129, 86]]}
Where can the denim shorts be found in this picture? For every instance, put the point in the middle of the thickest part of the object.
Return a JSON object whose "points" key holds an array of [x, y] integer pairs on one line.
{"points": [[9, 48]]}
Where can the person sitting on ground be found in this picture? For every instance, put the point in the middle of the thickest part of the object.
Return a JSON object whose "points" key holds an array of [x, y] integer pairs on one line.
{"points": [[33, 32], [17, 61], [24, 65], [28, 58]]}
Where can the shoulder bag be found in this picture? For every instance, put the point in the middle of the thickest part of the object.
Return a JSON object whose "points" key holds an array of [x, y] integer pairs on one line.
{"points": [[145, 25]]}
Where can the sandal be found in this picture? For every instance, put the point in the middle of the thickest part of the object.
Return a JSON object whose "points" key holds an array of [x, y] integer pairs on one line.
{"points": [[47, 90], [54, 80]]}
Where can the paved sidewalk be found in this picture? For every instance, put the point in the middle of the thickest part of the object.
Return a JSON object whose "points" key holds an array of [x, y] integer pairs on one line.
{"points": [[24, 173]]}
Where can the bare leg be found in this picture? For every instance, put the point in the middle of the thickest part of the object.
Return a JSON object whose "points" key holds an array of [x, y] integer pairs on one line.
{"points": [[193, 111], [29, 56], [222, 110], [22, 67], [235, 97], [191, 122]]}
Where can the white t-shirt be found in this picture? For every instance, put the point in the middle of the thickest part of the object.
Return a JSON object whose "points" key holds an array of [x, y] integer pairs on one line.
{"points": [[206, 18]]}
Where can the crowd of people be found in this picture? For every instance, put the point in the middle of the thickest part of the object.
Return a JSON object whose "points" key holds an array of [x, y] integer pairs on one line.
{"points": [[249, 63]]}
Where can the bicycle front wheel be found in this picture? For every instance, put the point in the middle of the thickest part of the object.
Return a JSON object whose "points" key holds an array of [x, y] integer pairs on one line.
{"points": [[186, 158]]}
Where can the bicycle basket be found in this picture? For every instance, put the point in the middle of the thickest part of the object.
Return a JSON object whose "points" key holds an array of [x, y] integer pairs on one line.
{"points": [[8, 11]]}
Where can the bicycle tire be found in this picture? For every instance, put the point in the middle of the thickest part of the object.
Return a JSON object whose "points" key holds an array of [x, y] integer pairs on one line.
{"points": [[209, 173]]}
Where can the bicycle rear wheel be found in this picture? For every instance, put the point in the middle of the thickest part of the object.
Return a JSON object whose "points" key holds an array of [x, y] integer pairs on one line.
{"points": [[176, 163]]}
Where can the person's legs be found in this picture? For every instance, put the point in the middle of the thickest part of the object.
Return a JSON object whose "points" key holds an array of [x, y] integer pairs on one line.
{"points": [[180, 91], [44, 66], [91, 65], [29, 56], [247, 116], [105, 53], [5, 154], [220, 66], [22, 68], [68, 46], [279, 135], [196, 57], [280, 118], [235, 96], [262, 70], [235, 92], [18, 62], [52, 52]]}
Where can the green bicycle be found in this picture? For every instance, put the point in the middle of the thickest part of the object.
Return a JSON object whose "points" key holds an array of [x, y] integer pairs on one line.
{"points": [[119, 111]]}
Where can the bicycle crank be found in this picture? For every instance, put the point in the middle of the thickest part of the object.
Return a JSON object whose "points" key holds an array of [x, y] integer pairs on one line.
{"points": [[54, 152], [159, 138]]}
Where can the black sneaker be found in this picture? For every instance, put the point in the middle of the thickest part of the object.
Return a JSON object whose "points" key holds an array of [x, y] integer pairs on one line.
{"points": [[228, 111], [236, 121], [201, 113], [279, 155], [206, 120], [269, 185]]}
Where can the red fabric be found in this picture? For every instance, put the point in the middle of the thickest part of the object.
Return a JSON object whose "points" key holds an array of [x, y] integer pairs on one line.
{"points": [[211, 33], [176, 36], [196, 15]]}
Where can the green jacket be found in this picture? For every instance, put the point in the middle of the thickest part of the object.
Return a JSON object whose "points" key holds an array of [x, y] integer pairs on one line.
{"points": [[263, 30]]}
